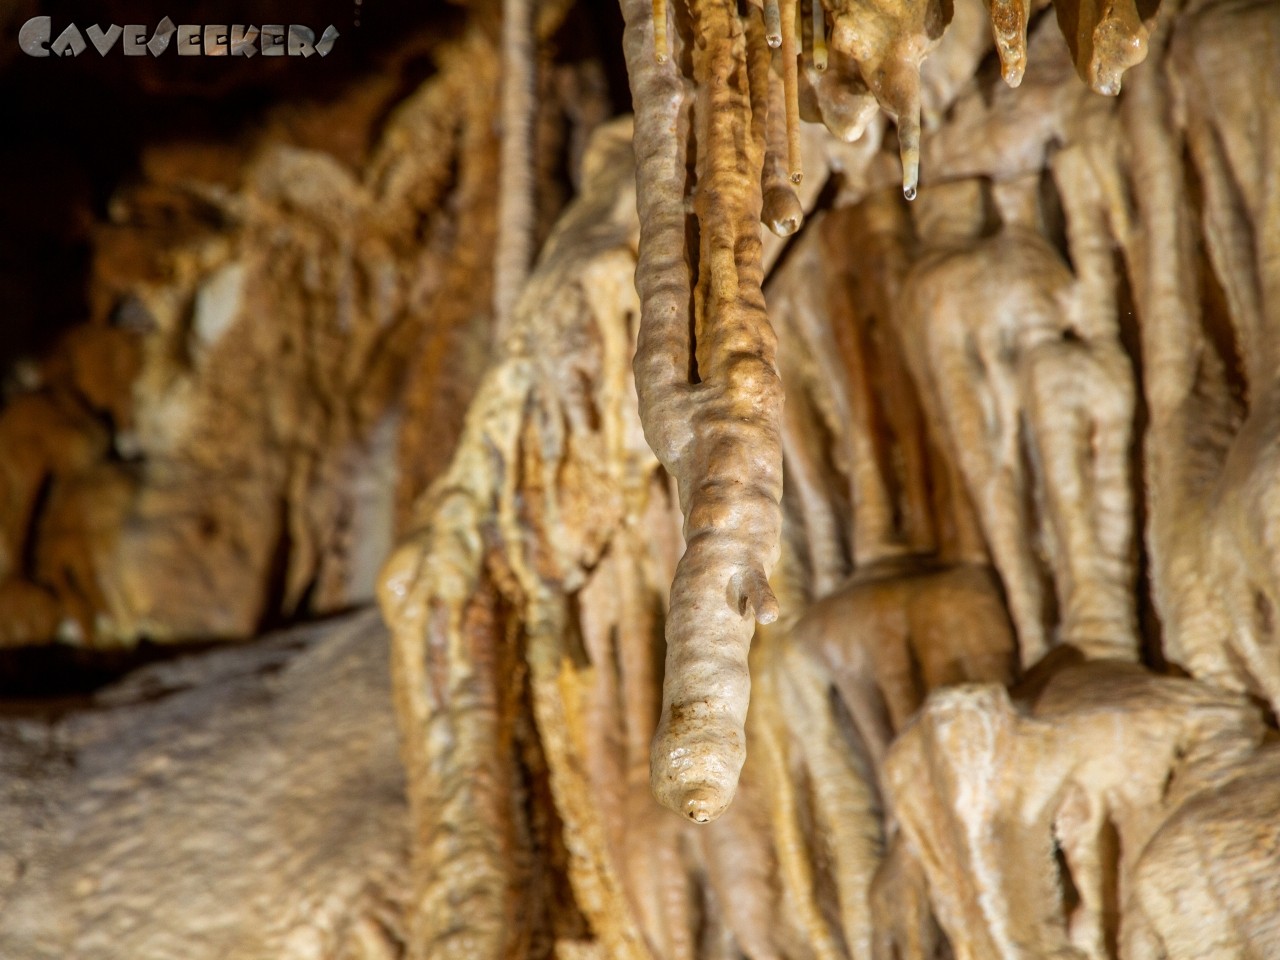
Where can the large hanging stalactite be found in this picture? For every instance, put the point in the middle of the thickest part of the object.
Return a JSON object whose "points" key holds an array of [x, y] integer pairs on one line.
{"points": [[688, 398], [728, 460]]}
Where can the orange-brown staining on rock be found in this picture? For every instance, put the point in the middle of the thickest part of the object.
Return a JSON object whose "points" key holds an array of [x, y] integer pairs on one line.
{"points": [[545, 480], [1009, 27], [342, 255]]}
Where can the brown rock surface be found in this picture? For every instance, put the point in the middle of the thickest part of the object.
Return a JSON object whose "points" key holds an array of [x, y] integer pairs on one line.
{"points": [[243, 803], [286, 332], [958, 491]]}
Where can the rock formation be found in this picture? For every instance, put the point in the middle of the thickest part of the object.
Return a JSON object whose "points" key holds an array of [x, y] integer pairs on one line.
{"points": [[243, 803], [865, 449]]}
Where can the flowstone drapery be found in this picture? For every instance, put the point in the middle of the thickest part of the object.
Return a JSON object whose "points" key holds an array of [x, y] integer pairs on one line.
{"points": [[1008, 404], [919, 553]]}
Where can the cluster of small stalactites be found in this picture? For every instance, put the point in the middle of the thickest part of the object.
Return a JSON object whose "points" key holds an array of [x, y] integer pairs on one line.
{"points": [[877, 47]]}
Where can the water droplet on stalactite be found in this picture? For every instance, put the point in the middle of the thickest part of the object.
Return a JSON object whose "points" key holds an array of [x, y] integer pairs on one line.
{"points": [[910, 172]]}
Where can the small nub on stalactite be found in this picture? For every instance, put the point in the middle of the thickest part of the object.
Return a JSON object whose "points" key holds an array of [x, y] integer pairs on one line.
{"points": [[700, 806]]}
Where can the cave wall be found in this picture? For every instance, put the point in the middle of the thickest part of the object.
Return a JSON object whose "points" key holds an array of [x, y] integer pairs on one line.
{"points": [[912, 375]]}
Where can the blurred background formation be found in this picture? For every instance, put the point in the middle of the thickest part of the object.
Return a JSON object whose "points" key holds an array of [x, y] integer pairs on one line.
{"points": [[358, 414]]}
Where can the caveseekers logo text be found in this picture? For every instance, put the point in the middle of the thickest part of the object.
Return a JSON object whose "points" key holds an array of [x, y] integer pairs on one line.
{"points": [[191, 40]]}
